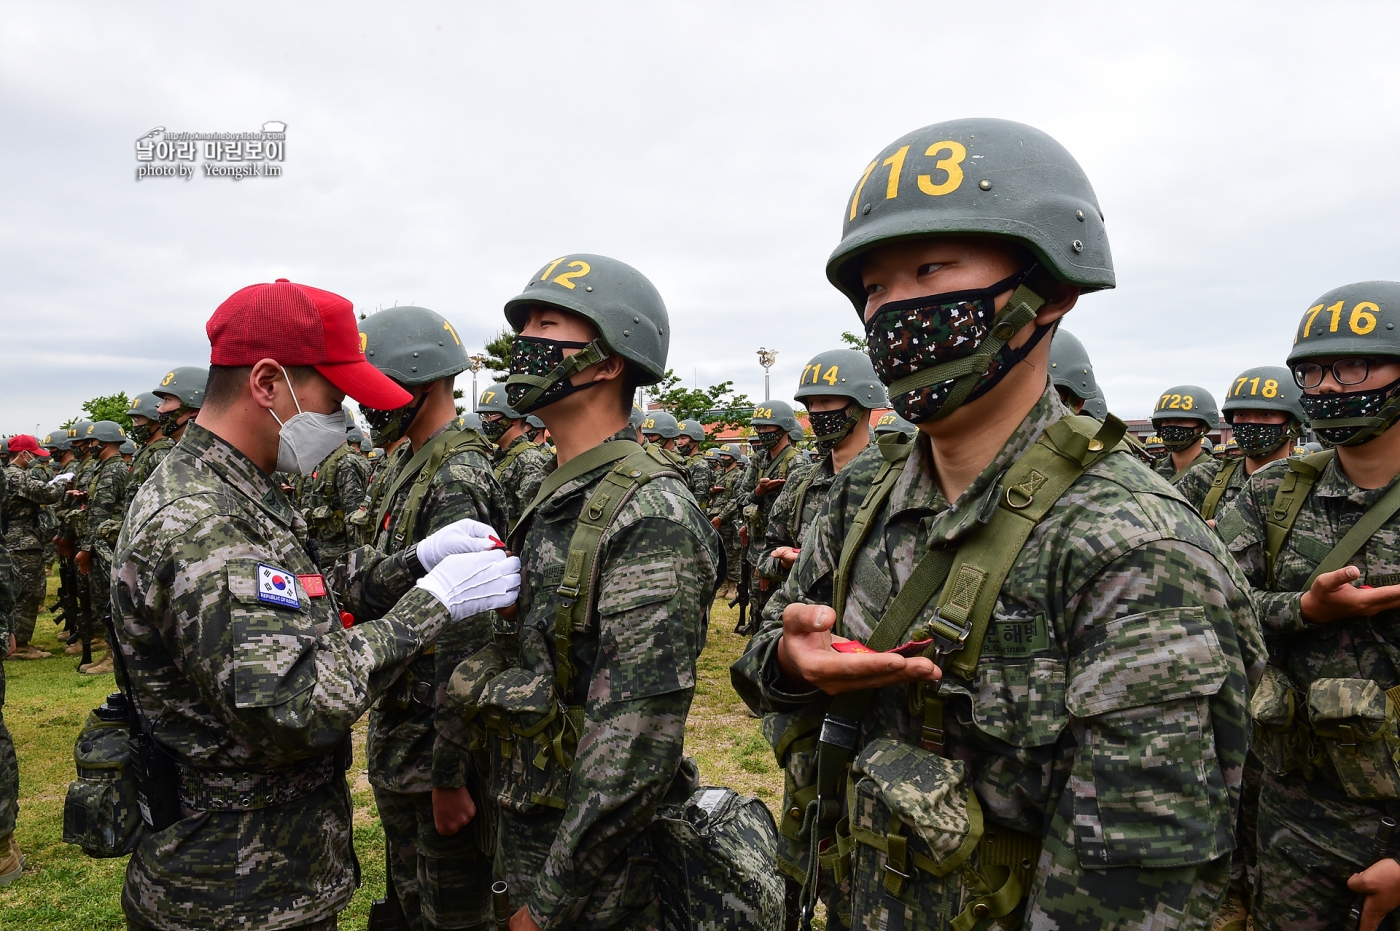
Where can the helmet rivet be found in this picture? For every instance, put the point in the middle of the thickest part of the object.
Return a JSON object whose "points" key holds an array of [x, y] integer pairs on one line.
{"points": [[636, 319], [415, 355], [1390, 326], [371, 352], [414, 368], [1077, 246], [626, 332], [984, 184], [439, 342], [866, 211], [588, 287], [1079, 215]]}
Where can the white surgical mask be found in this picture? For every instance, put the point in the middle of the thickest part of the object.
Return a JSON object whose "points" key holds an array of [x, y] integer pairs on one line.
{"points": [[306, 439]]}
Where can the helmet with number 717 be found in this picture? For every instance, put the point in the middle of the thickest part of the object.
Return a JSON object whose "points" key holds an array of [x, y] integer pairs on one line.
{"points": [[983, 177]]}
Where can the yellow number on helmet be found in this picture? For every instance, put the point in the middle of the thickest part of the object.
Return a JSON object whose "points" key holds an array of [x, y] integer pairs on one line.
{"points": [[167, 379], [830, 376]]}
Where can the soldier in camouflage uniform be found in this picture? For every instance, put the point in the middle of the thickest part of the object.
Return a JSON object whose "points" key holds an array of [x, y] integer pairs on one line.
{"points": [[839, 389], [1183, 416], [1264, 408], [1078, 763], [155, 445], [1072, 373], [104, 504], [769, 469], [11, 862], [328, 496], [573, 843], [28, 493], [1324, 721], [234, 644], [181, 394], [700, 476], [722, 512], [425, 785], [520, 464]]}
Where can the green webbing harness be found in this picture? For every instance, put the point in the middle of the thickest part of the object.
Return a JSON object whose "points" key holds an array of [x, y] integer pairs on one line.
{"points": [[591, 354], [1288, 501], [420, 470], [969, 579], [800, 503], [635, 467], [325, 476], [1020, 310], [511, 455], [1181, 473], [1217, 487]]}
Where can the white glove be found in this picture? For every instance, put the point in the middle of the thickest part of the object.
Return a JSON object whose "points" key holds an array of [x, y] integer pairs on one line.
{"points": [[60, 479], [470, 583], [463, 536]]}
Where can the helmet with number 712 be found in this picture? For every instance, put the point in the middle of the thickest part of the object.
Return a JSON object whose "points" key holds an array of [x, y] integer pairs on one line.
{"points": [[983, 177]]}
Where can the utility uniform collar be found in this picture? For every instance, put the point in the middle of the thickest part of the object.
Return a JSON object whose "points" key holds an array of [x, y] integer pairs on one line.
{"points": [[917, 492], [586, 480], [1333, 483], [238, 471]]}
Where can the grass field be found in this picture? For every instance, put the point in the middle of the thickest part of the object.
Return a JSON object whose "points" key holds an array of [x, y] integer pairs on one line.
{"points": [[46, 703]]}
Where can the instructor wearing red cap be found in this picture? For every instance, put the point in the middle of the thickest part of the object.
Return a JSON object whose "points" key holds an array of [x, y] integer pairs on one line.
{"points": [[230, 643]]}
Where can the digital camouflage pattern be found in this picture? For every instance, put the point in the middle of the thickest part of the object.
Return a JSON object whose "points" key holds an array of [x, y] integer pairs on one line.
{"points": [[1311, 834], [361, 522], [785, 525], [102, 522], [520, 469], [147, 458], [589, 863], [231, 683], [700, 478], [754, 509], [26, 497], [10, 591], [1195, 484], [444, 881], [327, 497], [1169, 472], [721, 505], [1107, 716]]}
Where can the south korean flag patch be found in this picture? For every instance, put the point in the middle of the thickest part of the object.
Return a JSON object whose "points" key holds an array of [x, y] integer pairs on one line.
{"points": [[277, 587]]}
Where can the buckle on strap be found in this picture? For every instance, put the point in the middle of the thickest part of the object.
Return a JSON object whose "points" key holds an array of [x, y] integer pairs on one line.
{"points": [[947, 636], [839, 732]]}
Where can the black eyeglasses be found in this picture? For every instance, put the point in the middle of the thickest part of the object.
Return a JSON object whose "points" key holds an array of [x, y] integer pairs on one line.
{"points": [[1351, 371]]}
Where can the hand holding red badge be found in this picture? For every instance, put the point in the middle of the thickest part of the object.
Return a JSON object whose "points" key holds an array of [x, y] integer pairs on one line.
{"points": [[912, 648]]}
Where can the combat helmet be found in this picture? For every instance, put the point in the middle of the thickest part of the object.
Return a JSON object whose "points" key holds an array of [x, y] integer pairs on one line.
{"points": [[1264, 388], [57, 440], [144, 405], [845, 373], [493, 400], [1185, 402], [127, 448], [78, 433], [733, 451], [660, 424], [1356, 321], [618, 300], [106, 431], [773, 414], [1095, 407], [890, 422], [1070, 368], [467, 421], [186, 384], [634, 419], [693, 429], [353, 434], [413, 346]]}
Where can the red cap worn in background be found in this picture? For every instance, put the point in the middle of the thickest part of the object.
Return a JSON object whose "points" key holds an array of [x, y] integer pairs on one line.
{"points": [[300, 325], [24, 443]]}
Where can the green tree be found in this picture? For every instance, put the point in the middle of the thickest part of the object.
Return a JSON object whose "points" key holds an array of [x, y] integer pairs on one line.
{"points": [[717, 404], [457, 393], [107, 407], [852, 340], [498, 354]]}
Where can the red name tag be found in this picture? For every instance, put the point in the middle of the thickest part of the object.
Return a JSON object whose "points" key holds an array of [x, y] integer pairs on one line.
{"points": [[315, 585]]}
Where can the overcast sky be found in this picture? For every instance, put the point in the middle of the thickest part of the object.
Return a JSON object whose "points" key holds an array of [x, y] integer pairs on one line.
{"points": [[1245, 157]]}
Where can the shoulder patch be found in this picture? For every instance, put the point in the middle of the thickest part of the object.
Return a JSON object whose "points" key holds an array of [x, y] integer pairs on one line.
{"points": [[277, 587]]}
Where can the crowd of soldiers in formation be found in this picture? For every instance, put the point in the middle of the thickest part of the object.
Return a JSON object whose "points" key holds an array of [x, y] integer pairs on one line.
{"points": [[1018, 668]]}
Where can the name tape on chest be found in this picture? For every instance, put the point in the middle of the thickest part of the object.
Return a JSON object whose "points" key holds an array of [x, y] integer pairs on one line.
{"points": [[277, 587]]}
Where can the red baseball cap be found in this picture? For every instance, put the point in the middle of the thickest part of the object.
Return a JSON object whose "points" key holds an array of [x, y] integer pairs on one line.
{"points": [[24, 443], [300, 325]]}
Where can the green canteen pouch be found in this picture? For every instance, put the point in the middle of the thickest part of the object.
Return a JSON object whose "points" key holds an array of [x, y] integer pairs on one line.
{"points": [[1278, 743], [1355, 720], [100, 812], [532, 739]]}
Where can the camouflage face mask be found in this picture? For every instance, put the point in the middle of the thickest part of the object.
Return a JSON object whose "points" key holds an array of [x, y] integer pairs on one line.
{"points": [[1175, 439], [387, 426], [829, 428], [938, 352], [170, 420], [141, 432], [767, 440], [492, 429], [1351, 418], [1257, 440], [540, 373]]}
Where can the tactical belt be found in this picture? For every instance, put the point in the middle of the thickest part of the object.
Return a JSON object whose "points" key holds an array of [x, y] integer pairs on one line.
{"points": [[241, 790]]}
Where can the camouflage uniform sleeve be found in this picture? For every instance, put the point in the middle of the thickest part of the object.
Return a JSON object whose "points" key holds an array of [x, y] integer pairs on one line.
{"points": [[778, 532], [106, 503], [351, 479], [1195, 484], [654, 591], [32, 485], [531, 474], [1242, 527], [740, 491], [1152, 695], [267, 672]]}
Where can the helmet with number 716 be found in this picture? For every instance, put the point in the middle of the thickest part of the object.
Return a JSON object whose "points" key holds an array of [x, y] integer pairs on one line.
{"points": [[982, 177]]}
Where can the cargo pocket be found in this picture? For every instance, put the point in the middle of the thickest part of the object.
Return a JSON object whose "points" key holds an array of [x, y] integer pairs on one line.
{"points": [[913, 820], [532, 738], [100, 812], [467, 682], [1355, 721], [1147, 785], [1272, 708]]}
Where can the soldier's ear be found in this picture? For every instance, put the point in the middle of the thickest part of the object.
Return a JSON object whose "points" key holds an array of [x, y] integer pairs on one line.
{"points": [[265, 382]]}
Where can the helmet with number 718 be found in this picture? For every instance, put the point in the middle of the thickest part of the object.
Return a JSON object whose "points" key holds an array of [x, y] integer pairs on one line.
{"points": [[1264, 388]]}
